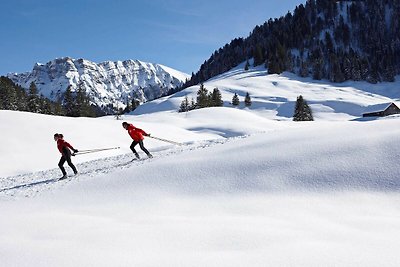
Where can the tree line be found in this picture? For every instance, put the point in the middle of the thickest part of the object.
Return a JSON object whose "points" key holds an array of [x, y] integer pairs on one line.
{"points": [[72, 104], [206, 99]]}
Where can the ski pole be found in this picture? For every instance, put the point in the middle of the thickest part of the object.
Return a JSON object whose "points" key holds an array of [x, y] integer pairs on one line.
{"points": [[165, 140], [97, 149], [80, 152]]}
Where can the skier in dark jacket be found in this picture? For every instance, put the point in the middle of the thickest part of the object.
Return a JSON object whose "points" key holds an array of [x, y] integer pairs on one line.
{"points": [[64, 148], [137, 135]]}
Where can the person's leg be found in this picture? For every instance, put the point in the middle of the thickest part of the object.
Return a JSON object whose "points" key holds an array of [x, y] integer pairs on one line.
{"points": [[144, 149], [68, 158], [132, 147], [60, 165]]}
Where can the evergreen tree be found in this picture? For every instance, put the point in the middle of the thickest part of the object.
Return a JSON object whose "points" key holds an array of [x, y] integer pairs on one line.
{"points": [[21, 98], [135, 104], [258, 56], [302, 111], [8, 94], [202, 97], [118, 111], [185, 106], [83, 108], [192, 105], [79, 102], [273, 66], [216, 98], [235, 100], [304, 69], [128, 106], [69, 103], [336, 74], [45, 106], [33, 99], [247, 100], [247, 66], [58, 108]]}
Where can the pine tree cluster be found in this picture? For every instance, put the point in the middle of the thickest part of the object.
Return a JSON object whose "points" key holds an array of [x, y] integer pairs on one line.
{"points": [[73, 104], [14, 97], [322, 39], [77, 104], [204, 99], [236, 101]]}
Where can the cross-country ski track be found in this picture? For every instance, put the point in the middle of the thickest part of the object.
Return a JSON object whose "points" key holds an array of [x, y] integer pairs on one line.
{"points": [[32, 184]]}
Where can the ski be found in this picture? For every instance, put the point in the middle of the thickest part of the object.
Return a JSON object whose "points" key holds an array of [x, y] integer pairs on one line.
{"points": [[66, 177]]}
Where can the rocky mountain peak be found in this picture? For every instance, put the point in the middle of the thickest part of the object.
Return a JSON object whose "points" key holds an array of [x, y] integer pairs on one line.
{"points": [[108, 82]]}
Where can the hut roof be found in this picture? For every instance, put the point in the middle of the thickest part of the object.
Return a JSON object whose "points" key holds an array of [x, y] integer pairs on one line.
{"points": [[377, 107]]}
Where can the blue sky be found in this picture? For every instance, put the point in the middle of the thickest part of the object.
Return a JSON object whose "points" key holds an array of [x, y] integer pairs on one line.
{"points": [[177, 33]]}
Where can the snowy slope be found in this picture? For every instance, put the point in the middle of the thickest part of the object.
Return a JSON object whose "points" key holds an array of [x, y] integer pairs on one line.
{"points": [[106, 83], [303, 195], [274, 96], [249, 187]]}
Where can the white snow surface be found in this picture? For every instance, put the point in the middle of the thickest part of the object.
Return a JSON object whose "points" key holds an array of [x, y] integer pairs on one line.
{"points": [[248, 187]]}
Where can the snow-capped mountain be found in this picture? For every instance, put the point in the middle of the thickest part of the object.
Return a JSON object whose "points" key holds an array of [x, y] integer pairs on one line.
{"points": [[106, 83]]}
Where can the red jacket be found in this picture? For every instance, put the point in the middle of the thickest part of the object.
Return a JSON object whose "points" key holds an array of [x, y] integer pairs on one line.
{"points": [[136, 133], [61, 144]]}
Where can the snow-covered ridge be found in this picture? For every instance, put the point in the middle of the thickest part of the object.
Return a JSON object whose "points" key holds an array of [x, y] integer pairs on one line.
{"points": [[106, 82], [274, 96]]}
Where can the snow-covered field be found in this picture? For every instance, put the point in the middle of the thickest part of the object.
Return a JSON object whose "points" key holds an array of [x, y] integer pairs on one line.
{"points": [[249, 187]]}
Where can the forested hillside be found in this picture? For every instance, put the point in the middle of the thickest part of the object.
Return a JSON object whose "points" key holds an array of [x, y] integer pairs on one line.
{"points": [[322, 39]]}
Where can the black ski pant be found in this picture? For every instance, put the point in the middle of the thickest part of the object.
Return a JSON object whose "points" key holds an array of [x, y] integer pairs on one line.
{"points": [[66, 157], [134, 143]]}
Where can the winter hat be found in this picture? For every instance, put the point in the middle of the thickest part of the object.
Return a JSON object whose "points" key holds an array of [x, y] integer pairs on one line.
{"points": [[124, 123]]}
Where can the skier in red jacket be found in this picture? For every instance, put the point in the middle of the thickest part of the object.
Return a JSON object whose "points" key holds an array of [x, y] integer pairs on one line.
{"points": [[137, 136], [64, 148]]}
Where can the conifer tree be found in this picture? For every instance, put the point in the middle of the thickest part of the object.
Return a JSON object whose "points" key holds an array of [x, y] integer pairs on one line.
{"points": [[135, 103], [235, 100], [8, 95], [128, 106], [258, 55], [247, 66], [21, 98], [302, 112], [216, 98], [83, 107], [192, 105], [58, 108], [247, 100], [33, 99], [184, 105], [69, 103], [45, 105], [202, 97]]}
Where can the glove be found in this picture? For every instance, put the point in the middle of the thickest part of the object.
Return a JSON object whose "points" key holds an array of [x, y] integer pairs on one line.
{"points": [[148, 134], [75, 150]]}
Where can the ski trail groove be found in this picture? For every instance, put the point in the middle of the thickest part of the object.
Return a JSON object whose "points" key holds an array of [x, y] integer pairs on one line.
{"points": [[33, 184]]}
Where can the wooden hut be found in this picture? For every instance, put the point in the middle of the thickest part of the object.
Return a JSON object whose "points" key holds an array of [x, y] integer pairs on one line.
{"points": [[381, 110]]}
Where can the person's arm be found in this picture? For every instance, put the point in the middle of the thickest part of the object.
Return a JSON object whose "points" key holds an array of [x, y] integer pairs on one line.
{"points": [[142, 132], [68, 145]]}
